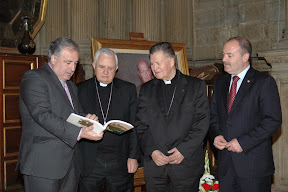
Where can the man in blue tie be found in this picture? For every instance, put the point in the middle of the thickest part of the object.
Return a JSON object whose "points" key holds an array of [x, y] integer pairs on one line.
{"points": [[245, 111]]}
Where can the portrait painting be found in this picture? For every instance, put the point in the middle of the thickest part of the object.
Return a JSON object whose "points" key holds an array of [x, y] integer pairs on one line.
{"points": [[132, 54]]}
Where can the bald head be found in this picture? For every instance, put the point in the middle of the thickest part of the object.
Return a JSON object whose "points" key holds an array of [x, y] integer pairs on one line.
{"points": [[144, 70]]}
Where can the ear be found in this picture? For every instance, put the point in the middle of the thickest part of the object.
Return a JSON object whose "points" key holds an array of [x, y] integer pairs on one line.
{"points": [[53, 60], [246, 57], [116, 68], [172, 62], [94, 66]]}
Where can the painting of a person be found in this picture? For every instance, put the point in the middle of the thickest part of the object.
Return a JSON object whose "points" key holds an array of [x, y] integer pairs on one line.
{"points": [[144, 72]]}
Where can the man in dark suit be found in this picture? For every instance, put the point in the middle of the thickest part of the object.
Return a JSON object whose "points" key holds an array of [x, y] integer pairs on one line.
{"points": [[242, 129], [172, 122], [48, 156], [111, 161]]}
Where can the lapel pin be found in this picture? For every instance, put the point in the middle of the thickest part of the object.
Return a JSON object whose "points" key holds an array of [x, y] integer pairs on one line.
{"points": [[248, 81]]}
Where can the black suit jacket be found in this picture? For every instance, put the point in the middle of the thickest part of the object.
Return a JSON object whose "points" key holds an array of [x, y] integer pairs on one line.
{"points": [[185, 128], [123, 107], [48, 142], [255, 115]]}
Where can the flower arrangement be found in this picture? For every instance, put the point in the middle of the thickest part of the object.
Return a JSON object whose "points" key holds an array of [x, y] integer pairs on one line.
{"points": [[207, 181]]}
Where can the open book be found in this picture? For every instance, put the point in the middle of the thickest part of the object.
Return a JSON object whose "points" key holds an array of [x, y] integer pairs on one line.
{"points": [[115, 126]]}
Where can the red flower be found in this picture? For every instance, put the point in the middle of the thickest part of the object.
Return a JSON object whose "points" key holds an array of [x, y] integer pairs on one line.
{"points": [[206, 186], [215, 186]]}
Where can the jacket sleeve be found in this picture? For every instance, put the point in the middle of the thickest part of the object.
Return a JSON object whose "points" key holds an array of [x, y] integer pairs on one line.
{"points": [[214, 129], [134, 149], [34, 92], [269, 103], [199, 126], [145, 138]]}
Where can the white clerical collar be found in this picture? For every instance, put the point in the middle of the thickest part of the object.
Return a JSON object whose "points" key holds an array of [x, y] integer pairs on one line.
{"points": [[167, 82], [103, 84]]}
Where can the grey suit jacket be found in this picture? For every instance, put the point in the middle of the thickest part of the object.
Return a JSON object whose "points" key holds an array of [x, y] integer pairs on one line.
{"points": [[48, 141]]}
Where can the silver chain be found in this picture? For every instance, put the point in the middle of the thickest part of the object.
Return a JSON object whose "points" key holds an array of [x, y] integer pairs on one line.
{"points": [[171, 100], [104, 117]]}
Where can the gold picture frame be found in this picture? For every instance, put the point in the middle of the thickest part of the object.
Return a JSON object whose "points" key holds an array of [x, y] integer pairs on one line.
{"points": [[140, 47]]}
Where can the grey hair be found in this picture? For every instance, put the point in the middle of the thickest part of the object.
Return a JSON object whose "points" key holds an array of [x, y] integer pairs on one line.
{"points": [[106, 52], [59, 44], [166, 48]]}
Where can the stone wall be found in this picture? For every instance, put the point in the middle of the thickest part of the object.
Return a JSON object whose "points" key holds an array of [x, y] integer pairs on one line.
{"points": [[215, 21], [203, 25]]}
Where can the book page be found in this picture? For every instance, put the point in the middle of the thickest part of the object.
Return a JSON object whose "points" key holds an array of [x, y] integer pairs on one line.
{"points": [[118, 126]]}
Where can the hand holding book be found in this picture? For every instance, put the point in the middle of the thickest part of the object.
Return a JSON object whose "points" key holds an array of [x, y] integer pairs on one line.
{"points": [[115, 126]]}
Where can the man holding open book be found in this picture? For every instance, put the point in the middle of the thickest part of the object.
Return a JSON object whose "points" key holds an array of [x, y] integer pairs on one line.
{"points": [[49, 154], [111, 161]]}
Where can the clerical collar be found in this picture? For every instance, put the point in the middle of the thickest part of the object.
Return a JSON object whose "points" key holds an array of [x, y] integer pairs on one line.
{"points": [[173, 80], [167, 82], [103, 84]]}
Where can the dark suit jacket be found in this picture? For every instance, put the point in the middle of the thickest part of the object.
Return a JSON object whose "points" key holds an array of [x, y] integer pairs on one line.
{"points": [[185, 128], [123, 107], [255, 115], [48, 141]]}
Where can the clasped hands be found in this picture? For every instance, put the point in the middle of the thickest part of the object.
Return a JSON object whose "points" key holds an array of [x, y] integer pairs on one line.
{"points": [[87, 132], [160, 159], [233, 145]]}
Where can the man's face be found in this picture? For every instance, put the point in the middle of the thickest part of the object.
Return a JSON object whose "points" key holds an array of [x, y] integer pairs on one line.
{"points": [[64, 66], [105, 69], [162, 66], [144, 71], [233, 60]]}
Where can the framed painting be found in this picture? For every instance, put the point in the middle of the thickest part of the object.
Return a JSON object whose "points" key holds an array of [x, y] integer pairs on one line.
{"points": [[129, 52]]}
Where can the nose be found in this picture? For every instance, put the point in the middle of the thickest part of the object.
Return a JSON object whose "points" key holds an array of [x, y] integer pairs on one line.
{"points": [[105, 71], [73, 67], [224, 58]]}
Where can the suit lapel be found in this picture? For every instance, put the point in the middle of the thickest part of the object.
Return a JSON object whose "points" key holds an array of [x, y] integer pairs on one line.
{"points": [[226, 91], [178, 97], [93, 99], [245, 85], [181, 87], [159, 96], [57, 83], [114, 106]]}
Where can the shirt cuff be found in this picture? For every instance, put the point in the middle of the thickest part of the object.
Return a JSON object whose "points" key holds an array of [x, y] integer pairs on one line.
{"points": [[78, 138]]}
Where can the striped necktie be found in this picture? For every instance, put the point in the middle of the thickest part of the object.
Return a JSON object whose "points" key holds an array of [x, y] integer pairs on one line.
{"points": [[232, 93]]}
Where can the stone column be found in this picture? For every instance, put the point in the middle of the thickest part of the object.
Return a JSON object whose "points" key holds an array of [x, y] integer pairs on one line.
{"points": [[84, 24], [56, 25], [114, 19], [279, 62], [146, 16], [84, 19], [283, 43], [179, 21]]}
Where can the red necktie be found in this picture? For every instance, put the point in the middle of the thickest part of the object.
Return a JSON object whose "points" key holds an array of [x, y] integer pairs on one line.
{"points": [[232, 93]]}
